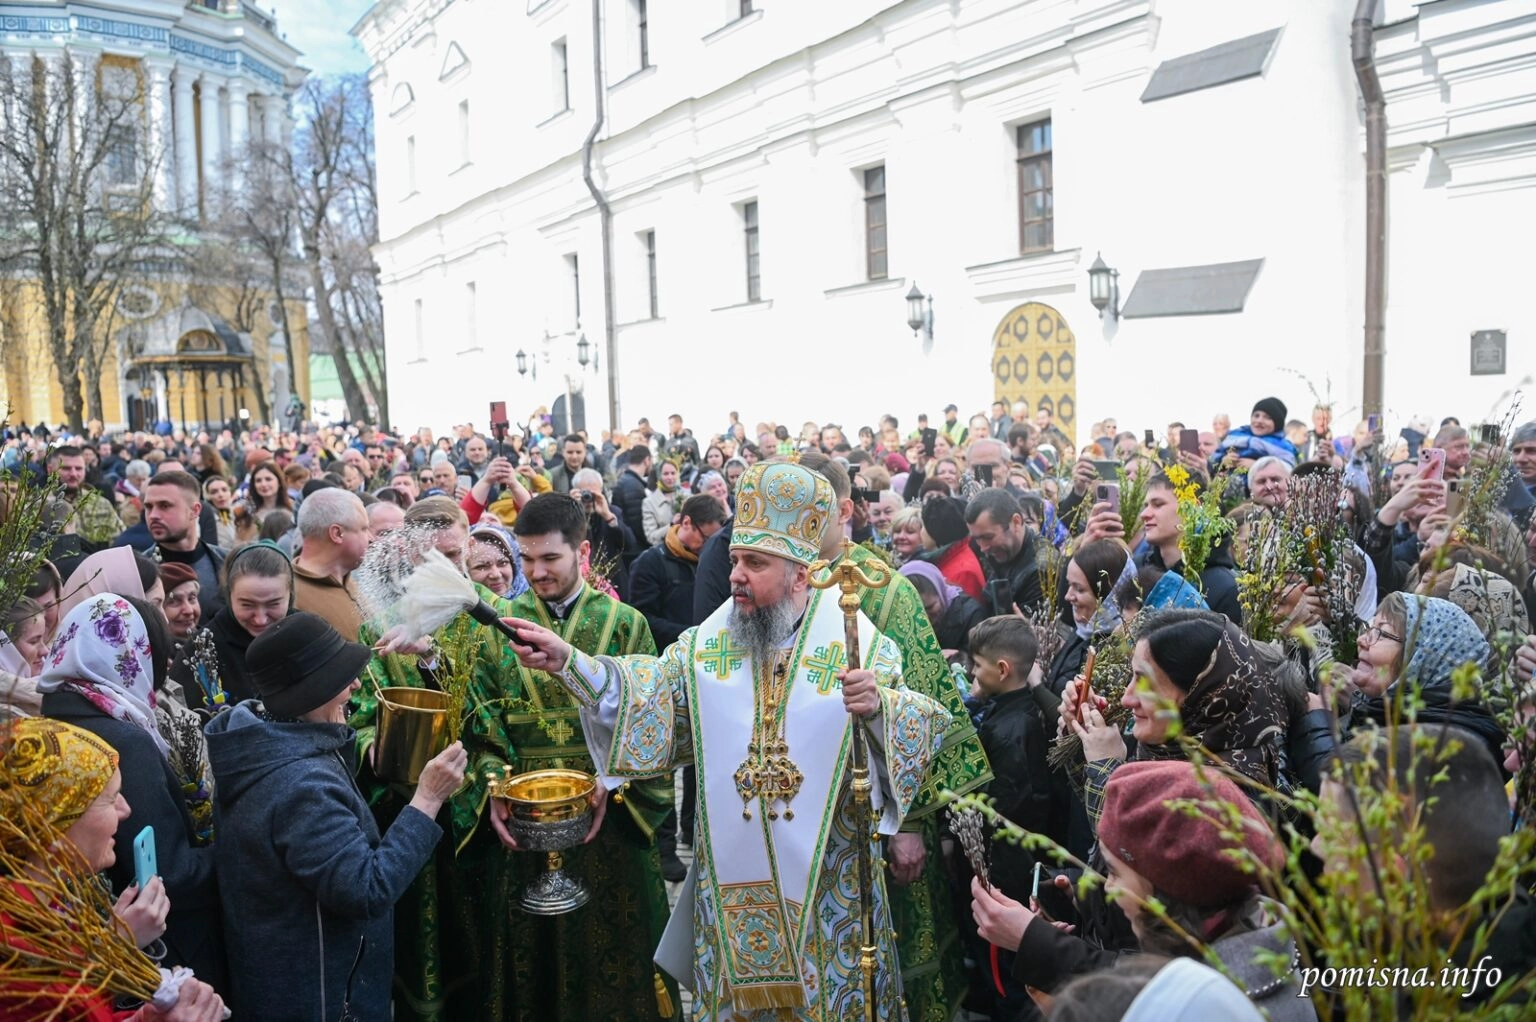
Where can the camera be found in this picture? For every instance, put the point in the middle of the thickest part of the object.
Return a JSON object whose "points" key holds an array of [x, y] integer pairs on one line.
{"points": [[586, 497], [866, 496]]}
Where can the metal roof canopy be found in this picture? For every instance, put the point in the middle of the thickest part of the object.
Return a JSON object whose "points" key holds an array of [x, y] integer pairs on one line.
{"points": [[1191, 290], [1217, 65]]}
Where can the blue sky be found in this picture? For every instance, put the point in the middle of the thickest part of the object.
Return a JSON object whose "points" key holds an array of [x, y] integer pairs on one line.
{"points": [[319, 29]]}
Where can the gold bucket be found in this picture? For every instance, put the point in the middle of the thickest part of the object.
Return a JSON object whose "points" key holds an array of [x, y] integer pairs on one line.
{"points": [[413, 727]]}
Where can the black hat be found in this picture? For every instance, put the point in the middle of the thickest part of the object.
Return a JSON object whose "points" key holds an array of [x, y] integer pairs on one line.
{"points": [[301, 663], [1275, 409], [944, 518]]}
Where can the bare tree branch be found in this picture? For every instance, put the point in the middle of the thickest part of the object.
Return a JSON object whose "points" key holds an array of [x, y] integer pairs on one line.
{"points": [[77, 214]]}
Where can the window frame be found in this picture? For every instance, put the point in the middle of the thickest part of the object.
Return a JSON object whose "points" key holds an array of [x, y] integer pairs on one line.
{"points": [[1027, 159], [753, 249], [643, 25], [561, 53], [653, 292], [876, 201]]}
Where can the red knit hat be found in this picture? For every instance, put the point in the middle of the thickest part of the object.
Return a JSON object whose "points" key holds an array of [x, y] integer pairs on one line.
{"points": [[1184, 857], [173, 574]]}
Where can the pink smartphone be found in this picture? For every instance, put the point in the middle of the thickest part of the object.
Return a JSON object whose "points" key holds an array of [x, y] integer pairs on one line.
{"points": [[1108, 492], [1432, 463]]}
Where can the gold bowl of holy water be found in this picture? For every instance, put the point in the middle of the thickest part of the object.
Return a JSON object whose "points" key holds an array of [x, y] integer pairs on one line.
{"points": [[548, 811]]}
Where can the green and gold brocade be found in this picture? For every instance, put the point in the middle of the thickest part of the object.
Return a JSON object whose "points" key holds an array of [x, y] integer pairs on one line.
{"points": [[473, 954], [932, 961]]}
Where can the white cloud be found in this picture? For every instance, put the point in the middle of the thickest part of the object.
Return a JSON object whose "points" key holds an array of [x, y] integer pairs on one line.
{"points": [[319, 29]]}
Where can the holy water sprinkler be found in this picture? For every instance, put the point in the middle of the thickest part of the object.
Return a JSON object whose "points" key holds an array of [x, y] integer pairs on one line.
{"points": [[407, 584]]}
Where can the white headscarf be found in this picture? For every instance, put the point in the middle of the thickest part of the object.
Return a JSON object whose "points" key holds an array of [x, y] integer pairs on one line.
{"points": [[11, 660], [102, 652]]}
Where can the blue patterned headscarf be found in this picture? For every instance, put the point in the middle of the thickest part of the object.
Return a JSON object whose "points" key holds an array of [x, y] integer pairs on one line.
{"points": [[1173, 590], [1441, 637]]}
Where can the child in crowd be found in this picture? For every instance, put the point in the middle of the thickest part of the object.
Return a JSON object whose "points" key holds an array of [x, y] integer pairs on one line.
{"points": [[1260, 438], [1024, 789]]}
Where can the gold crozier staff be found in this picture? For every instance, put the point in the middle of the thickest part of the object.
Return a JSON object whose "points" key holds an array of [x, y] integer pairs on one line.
{"points": [[849, 577]]}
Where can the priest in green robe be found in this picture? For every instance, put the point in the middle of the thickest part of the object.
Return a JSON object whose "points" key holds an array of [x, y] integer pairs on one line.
{"points": [[928, 935], [464, 950]]}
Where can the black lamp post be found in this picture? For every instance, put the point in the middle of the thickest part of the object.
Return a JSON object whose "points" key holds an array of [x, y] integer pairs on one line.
{"points": [[1104, 288]]}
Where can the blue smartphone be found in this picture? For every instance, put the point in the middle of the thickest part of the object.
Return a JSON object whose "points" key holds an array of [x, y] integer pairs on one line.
{"points": [[144, 865]]}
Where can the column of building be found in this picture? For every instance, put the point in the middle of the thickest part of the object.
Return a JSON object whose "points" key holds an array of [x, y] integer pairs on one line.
{"points": [[201, 156]]}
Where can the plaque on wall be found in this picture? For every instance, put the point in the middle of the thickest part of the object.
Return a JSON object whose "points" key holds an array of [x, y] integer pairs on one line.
{"points": [[1488, 351]]}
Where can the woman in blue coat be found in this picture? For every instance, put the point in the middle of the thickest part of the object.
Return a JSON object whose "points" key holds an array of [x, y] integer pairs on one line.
{"points": [[307, 882]]}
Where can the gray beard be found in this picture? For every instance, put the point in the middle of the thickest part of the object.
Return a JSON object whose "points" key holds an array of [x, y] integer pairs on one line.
{"points": [[763, 631]]}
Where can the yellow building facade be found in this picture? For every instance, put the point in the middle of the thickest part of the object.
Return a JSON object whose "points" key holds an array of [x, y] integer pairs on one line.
{"points": [[183, 346]]}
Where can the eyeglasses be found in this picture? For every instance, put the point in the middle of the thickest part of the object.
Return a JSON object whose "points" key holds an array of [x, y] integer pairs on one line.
{"points": [[1376, 633]]}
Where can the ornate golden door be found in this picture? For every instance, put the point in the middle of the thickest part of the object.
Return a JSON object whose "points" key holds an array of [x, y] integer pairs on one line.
{"points": [[1034, 360]]}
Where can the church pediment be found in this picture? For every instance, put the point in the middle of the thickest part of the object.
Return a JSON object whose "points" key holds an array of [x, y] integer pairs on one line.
{"points": [[453, 62]]}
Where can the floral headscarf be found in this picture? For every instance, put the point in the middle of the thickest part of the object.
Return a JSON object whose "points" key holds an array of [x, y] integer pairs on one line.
{"points": [[58, 766], [1172, 590], [1441, 638], [486, 532], [1234, 710], [1491, 601], [102, 652]]}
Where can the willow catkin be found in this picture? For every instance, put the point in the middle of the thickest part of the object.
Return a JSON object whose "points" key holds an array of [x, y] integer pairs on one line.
{"points": [[64, 946]]}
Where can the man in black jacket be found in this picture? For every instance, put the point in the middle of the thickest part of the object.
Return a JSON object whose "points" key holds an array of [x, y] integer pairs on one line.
{"points": [[1012, 554], [661, 581], [634, 468], [712, 580]]}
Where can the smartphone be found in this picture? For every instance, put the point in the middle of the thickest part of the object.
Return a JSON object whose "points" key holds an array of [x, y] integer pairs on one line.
{"points": [[1148, 438], [1373, 423], [1489, 434], [930, 437], [1454, 501], [1189, 440], [984, 474], [499, 414], [1108, 492], [1109, 471], [144, 865], [1432, 463]]}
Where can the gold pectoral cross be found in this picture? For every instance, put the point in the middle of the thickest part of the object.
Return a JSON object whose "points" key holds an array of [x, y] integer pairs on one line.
{"points": [[768, 772]]}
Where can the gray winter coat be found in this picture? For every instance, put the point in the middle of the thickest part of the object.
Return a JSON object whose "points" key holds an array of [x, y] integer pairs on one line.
{"points": [[308, 887], [1279, 996]]}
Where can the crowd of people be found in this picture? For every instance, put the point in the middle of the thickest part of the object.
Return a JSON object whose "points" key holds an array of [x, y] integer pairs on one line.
{"points": [[1270, 619]]}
